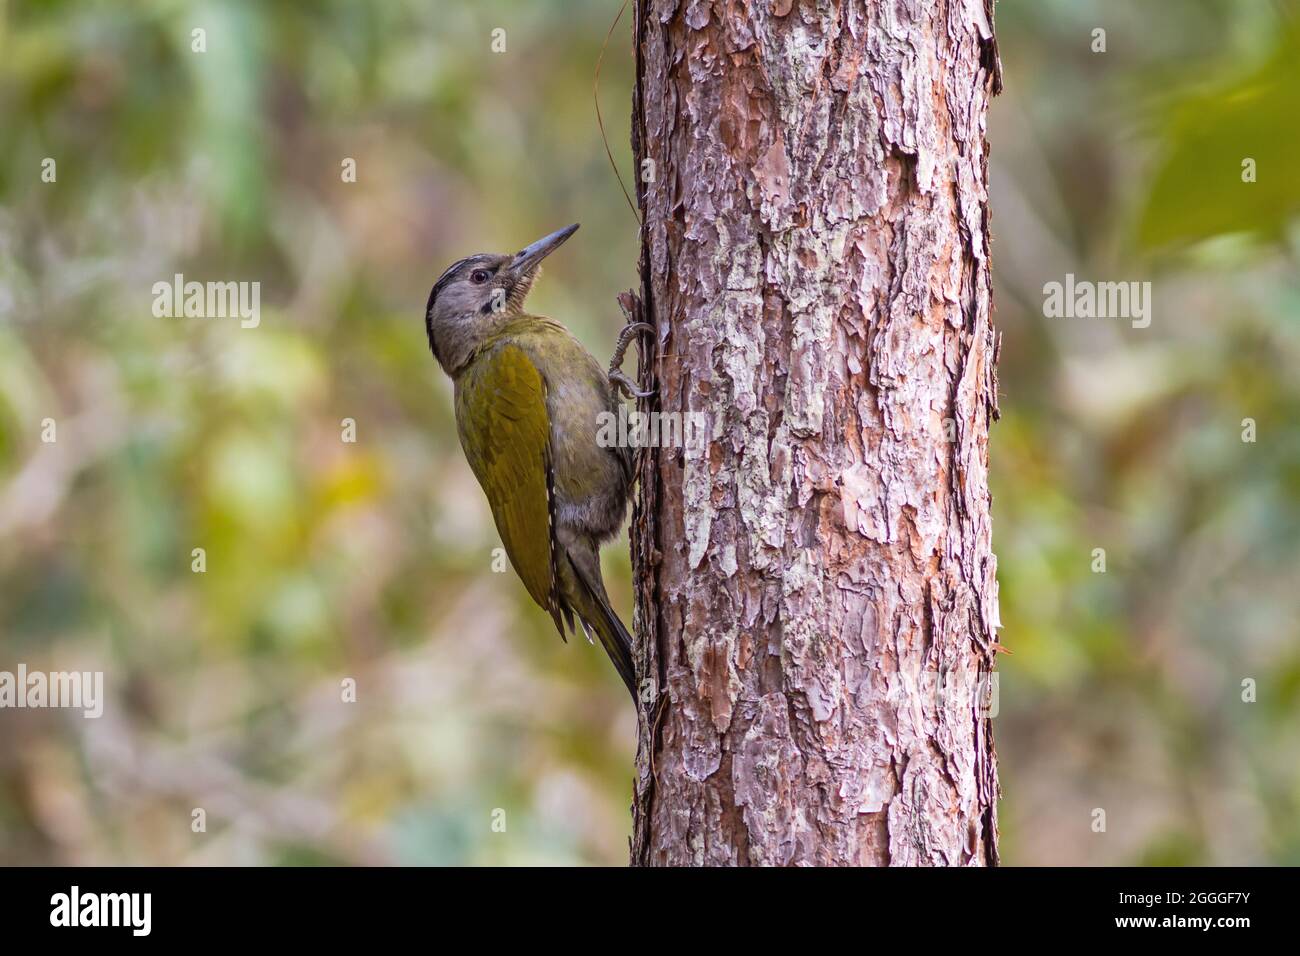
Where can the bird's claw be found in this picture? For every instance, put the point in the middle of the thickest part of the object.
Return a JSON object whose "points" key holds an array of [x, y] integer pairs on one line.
{"points": [[622, 383], [617, 379], [627, 333]]}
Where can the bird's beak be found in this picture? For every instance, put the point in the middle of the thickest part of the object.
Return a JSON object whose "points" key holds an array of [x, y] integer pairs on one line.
{"points": [[526, 259]]}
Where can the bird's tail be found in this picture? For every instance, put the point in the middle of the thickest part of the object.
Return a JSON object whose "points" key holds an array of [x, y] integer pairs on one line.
{"points": [[596, 614], [617, 642]]}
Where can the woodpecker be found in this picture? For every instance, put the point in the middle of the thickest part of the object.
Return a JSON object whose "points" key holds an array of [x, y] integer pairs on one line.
{"points": [[528, 399]]}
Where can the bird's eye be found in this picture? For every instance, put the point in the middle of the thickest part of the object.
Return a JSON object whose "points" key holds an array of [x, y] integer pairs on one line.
{"points": [[479, 276]]}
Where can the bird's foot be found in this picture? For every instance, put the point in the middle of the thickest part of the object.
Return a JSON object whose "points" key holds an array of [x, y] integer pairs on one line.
{"points": [[621, 383], [625, 337], [617, 378]]}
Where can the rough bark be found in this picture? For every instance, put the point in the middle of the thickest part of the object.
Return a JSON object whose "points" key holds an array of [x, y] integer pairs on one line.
{"points": [[817, 597]]}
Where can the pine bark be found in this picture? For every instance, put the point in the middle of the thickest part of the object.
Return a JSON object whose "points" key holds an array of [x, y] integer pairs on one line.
{"points": [[817, 597]]}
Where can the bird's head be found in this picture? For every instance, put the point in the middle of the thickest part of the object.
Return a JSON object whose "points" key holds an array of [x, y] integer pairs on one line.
{"points": [[477, 293]]}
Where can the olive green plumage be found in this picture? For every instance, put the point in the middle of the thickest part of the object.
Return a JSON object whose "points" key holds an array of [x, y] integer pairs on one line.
{"points": [[528, 401]]}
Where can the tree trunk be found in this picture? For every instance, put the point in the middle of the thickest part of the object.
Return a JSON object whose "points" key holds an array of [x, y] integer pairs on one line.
{"points": [[817, 596]]}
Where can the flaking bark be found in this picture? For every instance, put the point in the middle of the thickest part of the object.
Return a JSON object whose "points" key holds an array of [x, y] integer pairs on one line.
{"points": [[817, 596]]}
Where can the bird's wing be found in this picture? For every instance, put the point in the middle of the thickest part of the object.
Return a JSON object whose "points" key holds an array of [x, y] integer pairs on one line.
{"points": [[506, 433]]}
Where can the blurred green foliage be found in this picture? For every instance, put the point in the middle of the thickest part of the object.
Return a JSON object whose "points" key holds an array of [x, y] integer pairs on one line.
{"points": [[1194, 196], [372, 560], [1125, 689]]}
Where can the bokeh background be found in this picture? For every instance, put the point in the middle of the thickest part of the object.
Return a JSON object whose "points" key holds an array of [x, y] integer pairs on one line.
{"points": [[372, 560]]}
